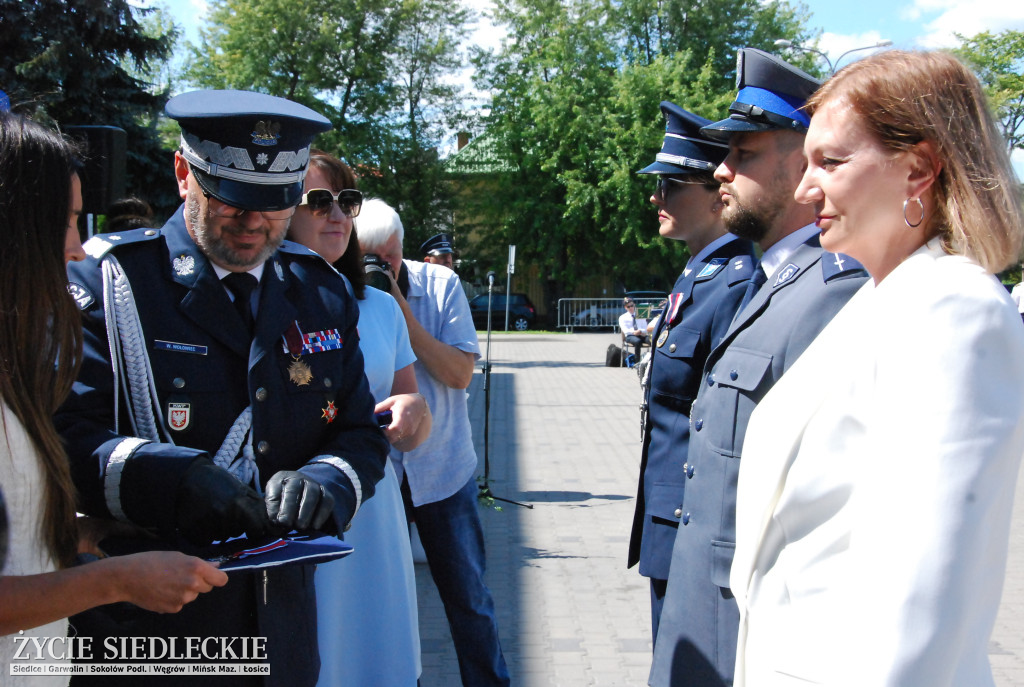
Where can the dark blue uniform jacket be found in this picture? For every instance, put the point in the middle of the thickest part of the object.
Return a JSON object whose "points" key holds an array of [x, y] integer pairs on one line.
{"points": [[205, 366], [710, 294]]}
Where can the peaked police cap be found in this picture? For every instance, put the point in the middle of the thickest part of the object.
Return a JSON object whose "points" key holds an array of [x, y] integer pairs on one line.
{"points": [[248, 150], [685, 150], [771, 93]]}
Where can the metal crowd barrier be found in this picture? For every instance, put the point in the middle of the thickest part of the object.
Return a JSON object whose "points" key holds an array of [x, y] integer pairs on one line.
{"points": [[589, 313]]}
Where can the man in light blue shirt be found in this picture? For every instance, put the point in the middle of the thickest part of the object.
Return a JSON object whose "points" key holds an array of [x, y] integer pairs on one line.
{"points": [[438, 476]]}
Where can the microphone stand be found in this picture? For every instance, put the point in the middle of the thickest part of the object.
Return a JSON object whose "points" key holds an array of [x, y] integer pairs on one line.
{"points": [[485, 489]]}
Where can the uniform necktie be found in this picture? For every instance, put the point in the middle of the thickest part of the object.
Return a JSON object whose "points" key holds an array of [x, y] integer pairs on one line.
{"points": [[757, 280], [242, 284]]}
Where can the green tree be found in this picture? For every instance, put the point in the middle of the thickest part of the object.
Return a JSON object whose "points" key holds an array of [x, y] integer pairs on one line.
{"points": [[575, 91], [70, 62], [375, 68], [998, 61]]}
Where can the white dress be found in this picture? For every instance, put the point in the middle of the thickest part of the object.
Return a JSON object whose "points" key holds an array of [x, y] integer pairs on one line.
{"points": [[21, 479], [367, 620]]}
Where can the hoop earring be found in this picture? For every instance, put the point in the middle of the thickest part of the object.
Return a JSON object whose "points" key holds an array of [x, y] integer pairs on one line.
{"points": [[910, 224]]}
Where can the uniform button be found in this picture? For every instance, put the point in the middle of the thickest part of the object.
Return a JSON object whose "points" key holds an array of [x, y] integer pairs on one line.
{"points": [[672, 348], [328, 382], [733, 375], [686, 518], [263, 447], [689, 470], [261, 394], [179, 383], [711, 379], [150, 232], [678, 513], [698, 424]]}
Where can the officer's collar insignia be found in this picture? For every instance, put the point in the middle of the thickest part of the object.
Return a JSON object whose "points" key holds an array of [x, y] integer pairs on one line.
{"points": [[279, 271], [713, 266], [738, 265], [686, 272], [81, 295], [184, 265], [266, 133], [786, 273]]}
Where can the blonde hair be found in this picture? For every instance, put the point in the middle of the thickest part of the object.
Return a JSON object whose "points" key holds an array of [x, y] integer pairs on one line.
{"points": [[905, 98]]}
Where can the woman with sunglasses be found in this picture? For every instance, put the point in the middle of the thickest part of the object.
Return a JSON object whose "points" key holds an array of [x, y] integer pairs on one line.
{"points": [[40, 353], [366, 604]]}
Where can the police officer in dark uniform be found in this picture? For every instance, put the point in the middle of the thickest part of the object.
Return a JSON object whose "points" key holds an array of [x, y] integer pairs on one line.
{"points": [[207, 408], [439, 249], [794, 292], [698, 313]]}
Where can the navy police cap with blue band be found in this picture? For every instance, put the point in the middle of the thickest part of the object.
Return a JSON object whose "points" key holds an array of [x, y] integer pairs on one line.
{"points": [[248, 150], [684, 150], [771, 96]]}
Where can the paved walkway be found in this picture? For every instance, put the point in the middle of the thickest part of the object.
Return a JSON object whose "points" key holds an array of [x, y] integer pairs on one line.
{"points": [[564, 437]]}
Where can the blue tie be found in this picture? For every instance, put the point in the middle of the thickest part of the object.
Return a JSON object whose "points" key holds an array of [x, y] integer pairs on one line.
{"points": [[757, 280]]}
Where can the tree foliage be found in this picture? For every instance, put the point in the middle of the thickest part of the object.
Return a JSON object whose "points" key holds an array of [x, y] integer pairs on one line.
{"points": [[998, 61], [69, 62], [575, 91], [379, 70]]}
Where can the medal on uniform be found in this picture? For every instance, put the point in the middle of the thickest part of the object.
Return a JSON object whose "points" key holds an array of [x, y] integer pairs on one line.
{"points": [[330, 412], [298, 371], [663, 337]]}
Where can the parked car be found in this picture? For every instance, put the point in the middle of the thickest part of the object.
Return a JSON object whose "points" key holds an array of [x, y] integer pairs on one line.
{"points": [[521, 313]]}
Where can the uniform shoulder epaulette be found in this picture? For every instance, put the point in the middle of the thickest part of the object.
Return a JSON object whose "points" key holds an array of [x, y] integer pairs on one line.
{"points": [[835, 265], [741, 268], [101, 244]]}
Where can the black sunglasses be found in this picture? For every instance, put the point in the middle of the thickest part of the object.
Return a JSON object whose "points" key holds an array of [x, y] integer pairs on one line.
{"points": [[320, 201]]}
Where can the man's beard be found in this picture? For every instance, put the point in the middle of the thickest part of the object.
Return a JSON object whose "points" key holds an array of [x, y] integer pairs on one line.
{"points": [[744, 222], [215, 248]]}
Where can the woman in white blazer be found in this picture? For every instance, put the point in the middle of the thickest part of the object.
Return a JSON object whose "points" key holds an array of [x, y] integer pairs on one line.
{"points": [[875, 495]]}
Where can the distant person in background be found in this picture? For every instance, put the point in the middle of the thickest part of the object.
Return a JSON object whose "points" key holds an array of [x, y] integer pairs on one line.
{"points": [[695, 318], [633, 328], [128, 213], [877, 484], [439, 249], [439, 475], [41, 350], [377, 584]]}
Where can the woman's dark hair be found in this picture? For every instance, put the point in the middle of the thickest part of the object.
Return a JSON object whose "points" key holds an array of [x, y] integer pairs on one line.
{"points": [[40, 327], [128, 213], [341, 177]]}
